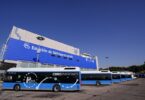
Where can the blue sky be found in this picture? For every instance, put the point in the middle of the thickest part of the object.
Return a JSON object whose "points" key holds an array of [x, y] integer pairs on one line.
{"points": [[106, 28]]}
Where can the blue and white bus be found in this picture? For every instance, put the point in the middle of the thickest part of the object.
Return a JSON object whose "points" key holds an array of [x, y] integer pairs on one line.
{"points": [[126, 76], [122, 76], [129, 76], [55, 79], [116, 77], [96, 78]]}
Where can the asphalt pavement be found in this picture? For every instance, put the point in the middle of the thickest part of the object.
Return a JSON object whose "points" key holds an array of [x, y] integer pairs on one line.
{"points": [[130, 90]]}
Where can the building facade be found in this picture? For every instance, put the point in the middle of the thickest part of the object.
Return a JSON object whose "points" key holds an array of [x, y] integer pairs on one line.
{"points": [[28, 49]]}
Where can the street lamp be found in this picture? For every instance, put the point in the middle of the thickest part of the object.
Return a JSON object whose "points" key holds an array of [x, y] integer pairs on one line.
{"points": [[97, 63]]}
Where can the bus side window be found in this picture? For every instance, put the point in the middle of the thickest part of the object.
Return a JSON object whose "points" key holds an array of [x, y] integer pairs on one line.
{"points": [[8, 78], [19, 76]]}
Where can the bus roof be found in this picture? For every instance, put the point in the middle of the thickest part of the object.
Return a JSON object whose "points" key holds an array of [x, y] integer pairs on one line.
{"points": [[93, 72], [122, 72], [115, 72], [67, 69]]}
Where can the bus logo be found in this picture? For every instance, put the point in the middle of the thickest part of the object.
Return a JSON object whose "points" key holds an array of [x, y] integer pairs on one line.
{"points": [[30, 80]]}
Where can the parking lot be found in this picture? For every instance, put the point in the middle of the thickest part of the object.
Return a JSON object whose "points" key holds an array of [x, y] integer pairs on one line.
{"points": [[130, 90]]}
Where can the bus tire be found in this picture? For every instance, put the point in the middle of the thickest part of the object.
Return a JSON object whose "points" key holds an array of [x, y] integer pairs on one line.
{"points": [[17, 87], [98, 83], [56, 88]]}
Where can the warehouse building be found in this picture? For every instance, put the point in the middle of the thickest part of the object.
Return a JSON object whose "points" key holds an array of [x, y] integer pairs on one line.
{"points": [[27, 49]]}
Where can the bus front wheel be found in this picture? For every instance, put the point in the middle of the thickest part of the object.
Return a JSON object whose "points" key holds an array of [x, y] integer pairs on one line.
{"points": [[17, 87], [56, 88], [98, 83]]}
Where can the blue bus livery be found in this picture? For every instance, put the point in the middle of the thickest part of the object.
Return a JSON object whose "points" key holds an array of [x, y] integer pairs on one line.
{"points": [[116, 77], [96, 78], [55, 79], [126, 76]]}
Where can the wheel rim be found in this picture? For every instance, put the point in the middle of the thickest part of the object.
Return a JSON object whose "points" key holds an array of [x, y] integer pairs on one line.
{"points": [[98, 83], [17, 87], [56, 88]]}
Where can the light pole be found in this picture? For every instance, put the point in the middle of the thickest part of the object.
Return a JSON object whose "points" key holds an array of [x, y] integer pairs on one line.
{"points": [[97, 63]]}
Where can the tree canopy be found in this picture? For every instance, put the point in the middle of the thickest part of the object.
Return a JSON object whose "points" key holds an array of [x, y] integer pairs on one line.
{"points": [[133, 68]]}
